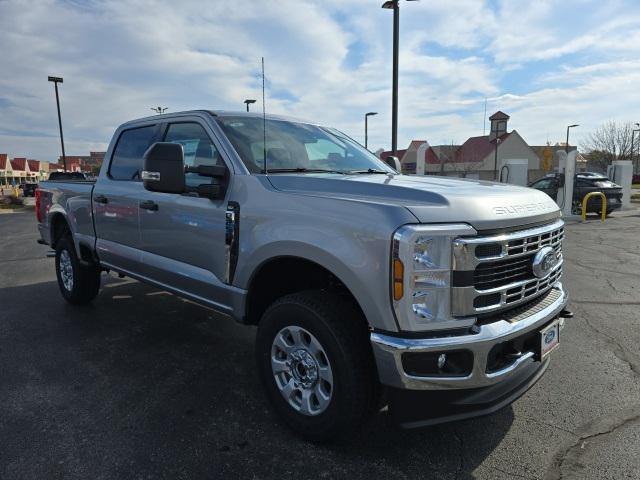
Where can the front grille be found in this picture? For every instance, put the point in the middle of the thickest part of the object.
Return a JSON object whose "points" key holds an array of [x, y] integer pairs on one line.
{"points": [[495, 273], [488, 250], [534, 243], [502, 272]]}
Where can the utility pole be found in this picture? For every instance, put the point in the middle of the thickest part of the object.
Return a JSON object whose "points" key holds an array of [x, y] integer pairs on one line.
{"points": [[56, 81]]}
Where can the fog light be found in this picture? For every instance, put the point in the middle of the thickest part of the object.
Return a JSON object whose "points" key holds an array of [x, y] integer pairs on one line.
{"points": [[453, 363]]}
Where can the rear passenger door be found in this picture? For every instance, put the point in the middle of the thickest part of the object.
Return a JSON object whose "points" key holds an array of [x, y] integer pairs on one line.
{"points": [[183, 235], [115, 200]]}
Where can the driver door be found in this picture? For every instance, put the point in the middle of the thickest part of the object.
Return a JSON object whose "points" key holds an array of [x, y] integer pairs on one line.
{"points": [[183, 235]]}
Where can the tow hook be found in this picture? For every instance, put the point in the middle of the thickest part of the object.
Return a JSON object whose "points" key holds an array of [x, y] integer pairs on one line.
{"points": [[563, 315]]}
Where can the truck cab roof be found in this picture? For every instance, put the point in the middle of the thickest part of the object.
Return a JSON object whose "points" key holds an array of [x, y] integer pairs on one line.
{"points": [[218, 113]]}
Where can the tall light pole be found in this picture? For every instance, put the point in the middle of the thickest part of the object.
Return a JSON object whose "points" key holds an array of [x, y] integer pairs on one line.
{"points": [[632, 135], [566, 147], [495, 159], [249, 101], [366, 127], [159, 110], [56, 81], [395, 6]]}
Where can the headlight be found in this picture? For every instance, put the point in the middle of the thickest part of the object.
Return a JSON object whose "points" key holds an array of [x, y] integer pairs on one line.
{"points": [[421, 276]]}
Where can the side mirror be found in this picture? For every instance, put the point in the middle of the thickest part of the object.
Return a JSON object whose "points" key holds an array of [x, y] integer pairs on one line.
{"points": [[163, 168], [394, 163]]}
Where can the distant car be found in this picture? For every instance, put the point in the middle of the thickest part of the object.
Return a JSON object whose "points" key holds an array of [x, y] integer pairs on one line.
{"points": [[590, 175], [29, 189], [584, 183]]}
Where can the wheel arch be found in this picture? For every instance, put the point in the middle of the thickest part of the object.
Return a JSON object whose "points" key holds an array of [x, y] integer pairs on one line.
{"points": [[285, 274], [58, 225]]}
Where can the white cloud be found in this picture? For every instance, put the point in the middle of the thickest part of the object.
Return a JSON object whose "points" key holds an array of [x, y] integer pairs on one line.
{"points": [[328, 61]]}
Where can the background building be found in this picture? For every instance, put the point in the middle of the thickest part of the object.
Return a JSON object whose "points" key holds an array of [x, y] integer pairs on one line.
{"points": [[476, 157]]}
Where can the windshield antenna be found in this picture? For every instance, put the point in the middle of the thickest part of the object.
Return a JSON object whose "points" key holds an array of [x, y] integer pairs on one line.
{"points": [[264, 125]]}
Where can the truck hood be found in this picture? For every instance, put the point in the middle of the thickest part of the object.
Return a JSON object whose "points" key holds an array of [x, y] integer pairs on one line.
{"points": [[432, 199]]}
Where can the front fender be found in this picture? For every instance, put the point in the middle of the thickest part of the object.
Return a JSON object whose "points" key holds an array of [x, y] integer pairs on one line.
{"points": [[349, 264]]}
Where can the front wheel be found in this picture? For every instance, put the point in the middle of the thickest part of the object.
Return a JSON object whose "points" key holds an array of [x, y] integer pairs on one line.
{"points": [[79, 284], [315, 362]]}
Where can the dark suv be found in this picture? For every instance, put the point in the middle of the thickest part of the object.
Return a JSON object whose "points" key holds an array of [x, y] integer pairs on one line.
{"points": [[584, 183], [29, 189]]}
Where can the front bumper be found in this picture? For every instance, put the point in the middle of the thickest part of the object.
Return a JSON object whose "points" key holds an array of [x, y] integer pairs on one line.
{"points": [[421, 408], [388, 349]]}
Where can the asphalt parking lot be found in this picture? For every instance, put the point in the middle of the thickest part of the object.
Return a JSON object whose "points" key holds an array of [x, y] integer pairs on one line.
{"points": [[142, 384]]}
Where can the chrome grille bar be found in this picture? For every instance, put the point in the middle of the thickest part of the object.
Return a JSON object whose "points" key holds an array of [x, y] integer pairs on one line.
{"points": [[464, 257], [505, 280]]}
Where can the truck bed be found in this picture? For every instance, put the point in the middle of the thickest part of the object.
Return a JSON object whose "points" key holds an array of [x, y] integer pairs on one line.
{"points": [[70, 199]]}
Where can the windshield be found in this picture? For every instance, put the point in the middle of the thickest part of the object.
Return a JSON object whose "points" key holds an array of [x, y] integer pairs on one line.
{"points": [[300, 147]]}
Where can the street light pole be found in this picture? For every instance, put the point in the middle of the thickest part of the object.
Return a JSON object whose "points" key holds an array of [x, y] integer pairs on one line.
{"points": [[55, 81], [632, 135], [395, 6], [394, 99], [566, 147], [366, 127], [495, 160], [249, 101]]}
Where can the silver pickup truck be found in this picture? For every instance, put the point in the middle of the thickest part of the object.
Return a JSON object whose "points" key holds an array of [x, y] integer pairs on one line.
{"points": [[438, 297]]}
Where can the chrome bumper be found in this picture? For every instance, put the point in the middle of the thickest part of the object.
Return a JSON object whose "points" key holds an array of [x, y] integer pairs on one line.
{"points": [[388, 351]]}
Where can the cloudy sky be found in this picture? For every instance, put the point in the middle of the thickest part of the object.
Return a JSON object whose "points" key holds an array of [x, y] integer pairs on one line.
{"points": [[545, 63]]}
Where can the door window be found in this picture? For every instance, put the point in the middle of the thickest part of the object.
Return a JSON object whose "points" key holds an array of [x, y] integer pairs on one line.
{"points": [[126, 162], [198, 149]]}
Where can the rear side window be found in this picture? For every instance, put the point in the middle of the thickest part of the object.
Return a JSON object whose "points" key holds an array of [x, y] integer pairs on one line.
{"points": [[126, 162]]}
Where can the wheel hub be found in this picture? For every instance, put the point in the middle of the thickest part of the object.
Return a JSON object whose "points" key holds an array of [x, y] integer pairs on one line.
{"points": [[303, 368], [66, 270]]}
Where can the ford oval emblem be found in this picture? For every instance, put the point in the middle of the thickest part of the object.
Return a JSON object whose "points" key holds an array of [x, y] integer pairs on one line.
{"points": [[544, 261], [549, 336]]}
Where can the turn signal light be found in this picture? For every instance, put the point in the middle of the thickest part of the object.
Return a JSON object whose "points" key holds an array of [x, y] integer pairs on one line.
{"points": [[398, 279]]}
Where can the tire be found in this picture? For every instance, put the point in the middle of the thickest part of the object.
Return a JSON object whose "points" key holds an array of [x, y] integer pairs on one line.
{"points": [[78, 284], [345, 391]]}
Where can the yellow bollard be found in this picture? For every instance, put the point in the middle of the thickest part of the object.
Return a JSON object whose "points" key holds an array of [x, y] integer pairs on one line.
{"points": [[586, 199]]}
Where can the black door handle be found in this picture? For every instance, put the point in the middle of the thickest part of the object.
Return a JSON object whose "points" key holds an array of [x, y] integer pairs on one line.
{"points": [[149, 205], [100, 199]]}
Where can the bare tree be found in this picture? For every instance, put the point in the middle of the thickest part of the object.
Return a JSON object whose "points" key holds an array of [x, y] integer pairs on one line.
{"points": [[611, 141]]}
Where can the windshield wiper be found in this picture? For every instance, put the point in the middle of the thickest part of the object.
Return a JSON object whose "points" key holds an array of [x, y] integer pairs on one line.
{"points": [[370, 170], [303, 170]]}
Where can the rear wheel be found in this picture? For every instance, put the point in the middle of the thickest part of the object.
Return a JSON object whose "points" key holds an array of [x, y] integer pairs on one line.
{"points": [[79, 284], [315, 362]]}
